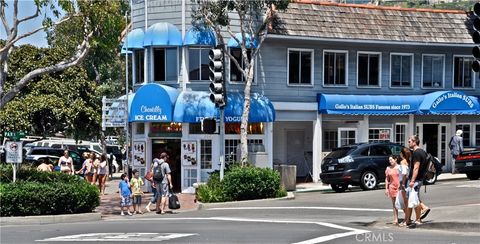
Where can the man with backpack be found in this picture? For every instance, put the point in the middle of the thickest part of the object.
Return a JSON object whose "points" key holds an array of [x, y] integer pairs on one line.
{"points": [[418, 166], [163, 181], [456, 147]]}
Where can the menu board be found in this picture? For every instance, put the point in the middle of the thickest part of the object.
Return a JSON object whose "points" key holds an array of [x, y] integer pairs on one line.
{"points": [[189, 153], [139, 154]]}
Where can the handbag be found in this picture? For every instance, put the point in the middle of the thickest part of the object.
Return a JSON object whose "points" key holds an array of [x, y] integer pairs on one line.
{"points": [[173, 202]]}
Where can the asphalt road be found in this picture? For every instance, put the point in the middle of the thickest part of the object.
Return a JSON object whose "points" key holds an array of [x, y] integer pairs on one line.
{"points": [[314, 217]]}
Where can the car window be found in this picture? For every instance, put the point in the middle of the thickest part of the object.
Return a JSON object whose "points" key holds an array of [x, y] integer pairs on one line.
{"points": [[57, 153], [75, 156], [379, 151], [339, 153], [396, 149], [364, 152], [39, 152]]}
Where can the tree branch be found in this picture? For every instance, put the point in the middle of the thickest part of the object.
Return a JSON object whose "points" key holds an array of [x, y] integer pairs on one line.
{"points": [[4, 19], [30, 17]]}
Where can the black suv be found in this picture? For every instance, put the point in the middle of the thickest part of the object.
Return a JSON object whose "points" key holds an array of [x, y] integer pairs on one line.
{"points": [[360, 164], [38, 154]]}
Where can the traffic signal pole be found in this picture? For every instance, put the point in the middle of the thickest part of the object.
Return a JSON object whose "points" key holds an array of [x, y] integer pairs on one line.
{"points": [[222, 121]]}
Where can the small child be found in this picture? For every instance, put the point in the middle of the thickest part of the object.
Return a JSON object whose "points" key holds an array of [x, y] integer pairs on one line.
{"points": [[136, 183], [392, 184], [125, 194]]}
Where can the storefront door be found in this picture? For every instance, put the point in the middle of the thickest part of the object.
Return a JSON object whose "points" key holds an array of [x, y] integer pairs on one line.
{"points": [[433, 138], [173, 148]]}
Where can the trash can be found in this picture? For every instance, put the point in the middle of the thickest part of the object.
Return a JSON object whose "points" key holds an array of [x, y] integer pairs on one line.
{"points": [[288, 176]]}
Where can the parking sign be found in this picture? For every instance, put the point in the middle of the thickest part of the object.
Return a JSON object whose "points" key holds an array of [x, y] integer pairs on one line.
{"points": [[14, 152]]}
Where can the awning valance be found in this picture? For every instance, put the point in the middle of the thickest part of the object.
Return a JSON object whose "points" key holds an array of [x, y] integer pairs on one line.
{"points": [[368, 104], [199, 36], [153, 103], [193, 106], [250, 42], [162, 34], [134, 40], [449, 103]]}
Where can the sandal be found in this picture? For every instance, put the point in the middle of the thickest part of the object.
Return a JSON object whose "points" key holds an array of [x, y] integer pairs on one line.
{"points": [[424, 213]]}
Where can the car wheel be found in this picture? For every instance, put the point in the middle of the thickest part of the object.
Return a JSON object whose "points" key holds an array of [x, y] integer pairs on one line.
{"points": [[339, 187], [432, 180], [368, 181], [473, 175]]}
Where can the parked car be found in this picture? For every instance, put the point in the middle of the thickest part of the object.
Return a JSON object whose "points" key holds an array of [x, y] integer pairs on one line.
{"points": [[361, 164], [118, 156], [468, 162], [38, 153]]}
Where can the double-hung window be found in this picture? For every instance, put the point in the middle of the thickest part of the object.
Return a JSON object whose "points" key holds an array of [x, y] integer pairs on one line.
{"points": [[401, 70], [433, 70], [463, 76], [165, 64], [368, 69], [300, 63], [236, 75], [198, 64], [139, 68], [335, 68]]}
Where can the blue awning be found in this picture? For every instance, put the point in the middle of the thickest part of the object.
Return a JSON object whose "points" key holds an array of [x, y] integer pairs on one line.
{"points": [[162, 34], [153, 103], [200, 36], [193, 106], [368, 104], [249, 41], [449, 103], [134, 40]]}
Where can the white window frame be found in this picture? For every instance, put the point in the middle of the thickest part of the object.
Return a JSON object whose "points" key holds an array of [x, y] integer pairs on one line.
{"points": [[346, 67], [379, 69], [381, 128], [395, 133], [412, 73], [340, 129], [443, 70], [152, 64], [453, 74], [187, 63], [312, 53], [471, 138], [230, 62], [474, 139]]}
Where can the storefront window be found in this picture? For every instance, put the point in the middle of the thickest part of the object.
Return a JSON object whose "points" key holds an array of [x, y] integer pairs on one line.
{"points": [[330, 140], [376, 135], [140, 129], [206, 154], [195, 128], [466, 134], [253, 128], [189, 177], [231, 148], [477, 135], [400, 134], [170, 127]]}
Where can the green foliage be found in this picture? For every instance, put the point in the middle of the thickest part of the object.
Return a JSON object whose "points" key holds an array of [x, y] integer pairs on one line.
{"points": [[42, 193], [460, 5], [242, 183]]}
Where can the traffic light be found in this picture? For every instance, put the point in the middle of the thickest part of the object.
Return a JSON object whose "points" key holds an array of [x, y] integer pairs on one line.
{"points": [[476, 37], [209, 126], [217, 85]]}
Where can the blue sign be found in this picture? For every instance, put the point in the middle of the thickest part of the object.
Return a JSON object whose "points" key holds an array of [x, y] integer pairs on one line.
{"points": [[449, 102], [153, 103]]}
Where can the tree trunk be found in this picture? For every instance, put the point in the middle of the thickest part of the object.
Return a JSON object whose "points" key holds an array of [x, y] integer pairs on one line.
{"points": [[246, 111]]}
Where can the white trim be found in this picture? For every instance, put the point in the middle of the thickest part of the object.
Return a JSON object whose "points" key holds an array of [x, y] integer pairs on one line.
{"points": [[379, 70], [346, 67], [412, 71], [227, 69], [339, 131], [295, 106], [373, 42], [405, 132], [312, 53], [453, 73], [379, 128], [443, 70]]}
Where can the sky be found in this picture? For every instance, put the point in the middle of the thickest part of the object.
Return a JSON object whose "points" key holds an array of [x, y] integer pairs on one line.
{"points": [[26, 8]]}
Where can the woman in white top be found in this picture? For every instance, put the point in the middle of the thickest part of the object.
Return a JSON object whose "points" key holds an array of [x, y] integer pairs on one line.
{"points": [[405, 156], [66, 163], [102, 171]]}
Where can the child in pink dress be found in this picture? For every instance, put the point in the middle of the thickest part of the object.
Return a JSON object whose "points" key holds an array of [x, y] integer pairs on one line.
{"points": [[392, 184]]}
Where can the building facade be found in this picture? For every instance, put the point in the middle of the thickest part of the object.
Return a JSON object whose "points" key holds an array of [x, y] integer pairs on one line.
{"points": [[327, 75]]}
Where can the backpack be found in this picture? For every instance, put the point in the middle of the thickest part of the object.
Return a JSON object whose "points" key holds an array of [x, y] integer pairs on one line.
{"points": [[430, 170], [158, 173]]}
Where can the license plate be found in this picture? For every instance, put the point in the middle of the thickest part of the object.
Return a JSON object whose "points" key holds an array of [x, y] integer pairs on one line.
{"points": [[331, 168], [469, 164]]}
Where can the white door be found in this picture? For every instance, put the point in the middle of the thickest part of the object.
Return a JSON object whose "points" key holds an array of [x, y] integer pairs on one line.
{"points": [[347, 136], [443, 153]]}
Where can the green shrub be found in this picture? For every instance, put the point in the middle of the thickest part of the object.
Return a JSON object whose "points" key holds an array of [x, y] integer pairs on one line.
{"points": [[212, 191], [41, 193]]}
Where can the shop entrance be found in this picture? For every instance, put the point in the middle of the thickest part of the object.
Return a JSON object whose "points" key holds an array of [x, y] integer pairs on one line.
{"points": [[173, 149], [434, 139]]}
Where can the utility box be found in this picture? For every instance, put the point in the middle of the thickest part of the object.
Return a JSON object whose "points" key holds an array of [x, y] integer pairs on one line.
{"points": [[288, 176], [256, 155]]}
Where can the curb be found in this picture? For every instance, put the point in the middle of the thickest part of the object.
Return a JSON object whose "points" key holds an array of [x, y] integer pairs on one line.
{"points": [[451, 226], [50, 219], [290, 196]]}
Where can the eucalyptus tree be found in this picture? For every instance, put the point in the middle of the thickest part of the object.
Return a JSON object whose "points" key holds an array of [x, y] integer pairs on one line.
{"points": [[253, 18]]}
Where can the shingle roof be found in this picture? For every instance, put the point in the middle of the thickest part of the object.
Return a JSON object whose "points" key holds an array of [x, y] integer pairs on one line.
{"points": [[309, 18]]}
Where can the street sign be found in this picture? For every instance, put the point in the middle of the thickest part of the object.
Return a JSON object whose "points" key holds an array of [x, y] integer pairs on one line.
{"points": [[14, 135], [14, 152]]}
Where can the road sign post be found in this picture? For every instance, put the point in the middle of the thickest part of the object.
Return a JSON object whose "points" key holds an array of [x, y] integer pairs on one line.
{"points": [[14, 155]]}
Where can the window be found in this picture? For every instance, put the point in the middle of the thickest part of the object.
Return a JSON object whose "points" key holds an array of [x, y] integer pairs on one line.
{"points": [[376, 135], [400, 133], [139, 70], [198, 69], [466, 134], [401, 70], [231, 148], [330, 140], [165, 64], [379, 151], [368, 69], [433, 68], [253, 128], [139, 128], [334, 68], [477, 135], [300, 67], [347, 136], [206, 154], [463, 75], [236, 75], [189, 177]]}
